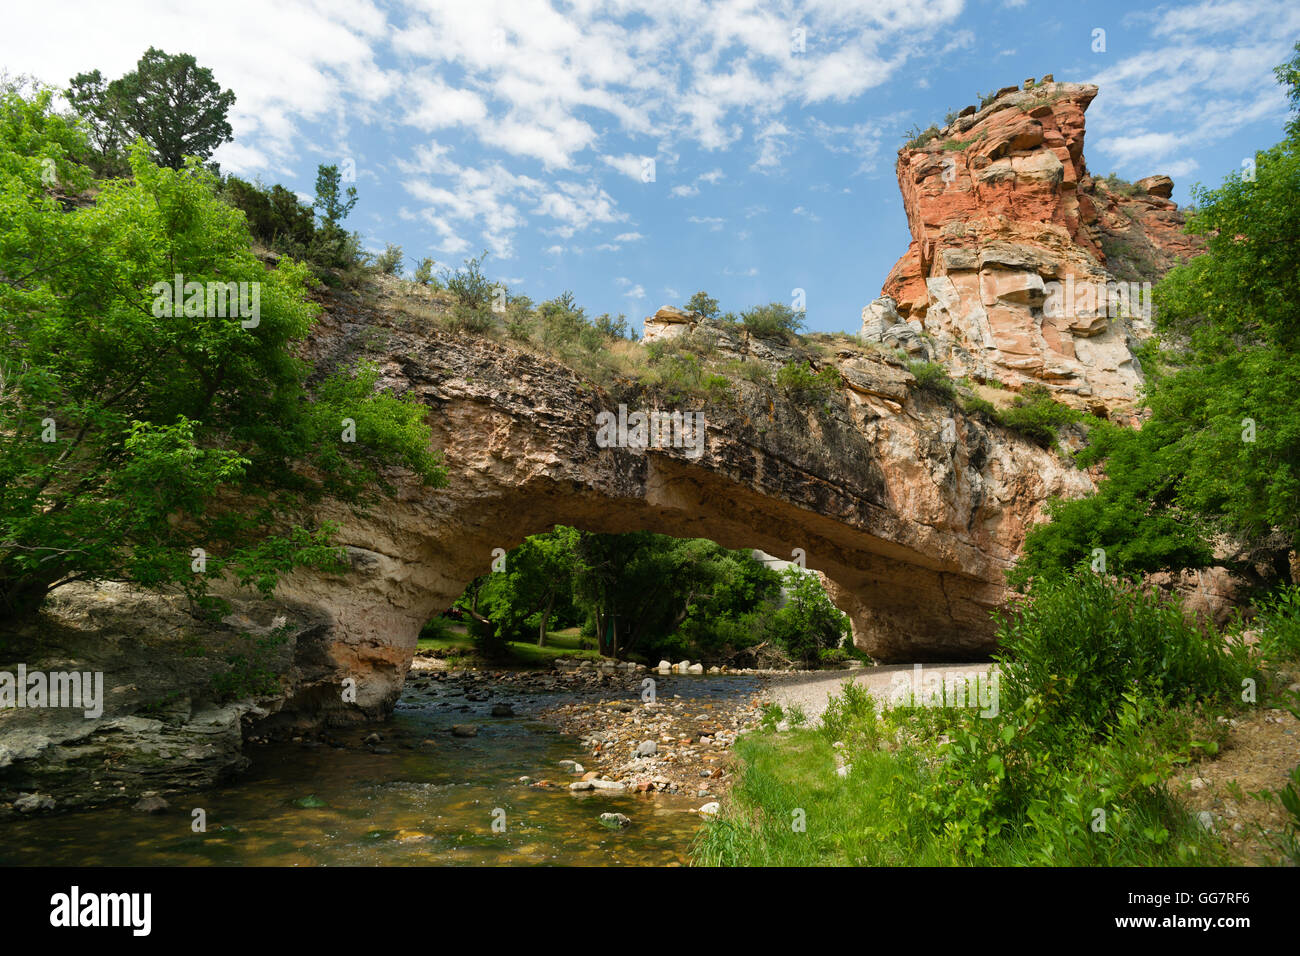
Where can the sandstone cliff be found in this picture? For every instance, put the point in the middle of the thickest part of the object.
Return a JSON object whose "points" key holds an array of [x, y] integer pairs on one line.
{"points": [[1023, 267]]}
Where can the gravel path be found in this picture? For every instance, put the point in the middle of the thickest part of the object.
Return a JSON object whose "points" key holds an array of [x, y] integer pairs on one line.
{"points": [[811, 691]]}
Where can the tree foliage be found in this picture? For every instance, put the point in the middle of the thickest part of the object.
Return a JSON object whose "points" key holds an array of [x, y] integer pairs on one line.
{"points": [[131, 424], [176, 106]]}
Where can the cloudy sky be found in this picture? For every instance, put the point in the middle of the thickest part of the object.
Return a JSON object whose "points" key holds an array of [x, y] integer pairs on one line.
{"points": [[636, 151]]}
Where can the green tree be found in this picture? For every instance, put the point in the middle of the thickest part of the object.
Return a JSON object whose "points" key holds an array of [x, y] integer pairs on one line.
{"points": [[1220, 453], [538, 576], [389, 262], [702, 303], [808, 622], [774, 320], [88, 94], [174, 104], [333, 202], [132, 422], [276, 216], [424, 271], [643, 589]]}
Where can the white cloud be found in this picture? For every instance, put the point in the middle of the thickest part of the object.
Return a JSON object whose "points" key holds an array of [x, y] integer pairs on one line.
{"points": [[713, 222], [712, 177], [541, 88], [628, 164], [636, 292], [772, 145], [1217, 54]]}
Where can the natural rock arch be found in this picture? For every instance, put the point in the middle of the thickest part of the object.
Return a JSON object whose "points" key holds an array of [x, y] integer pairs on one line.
{"points": [[911, 511]]}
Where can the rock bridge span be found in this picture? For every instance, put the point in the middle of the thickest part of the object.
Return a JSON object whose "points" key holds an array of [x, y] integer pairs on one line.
{"points": [[910, 510]]}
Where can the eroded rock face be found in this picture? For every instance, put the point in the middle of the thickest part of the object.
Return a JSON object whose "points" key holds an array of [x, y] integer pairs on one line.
{"points": [[1016, 251], [882, 323], [171, 713]]}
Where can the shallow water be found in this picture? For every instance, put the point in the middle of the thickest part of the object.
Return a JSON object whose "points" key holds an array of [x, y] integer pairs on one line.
{"points": [[433, 800]]}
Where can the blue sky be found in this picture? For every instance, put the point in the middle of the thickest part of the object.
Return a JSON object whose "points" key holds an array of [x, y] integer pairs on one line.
{"points": [[526, 127]]}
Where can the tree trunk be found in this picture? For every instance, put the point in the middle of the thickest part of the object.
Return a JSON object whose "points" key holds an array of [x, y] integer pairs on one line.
{"points": [[546, 616], [21, 597]]}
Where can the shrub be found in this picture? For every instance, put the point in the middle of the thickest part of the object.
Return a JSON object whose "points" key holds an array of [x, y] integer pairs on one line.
{"points": [[469, 284], [424, 273], [488, 640], [1122, 186], [1082, 642], [916, 137], [1279, 624], [808, 622], [389, 262], [799, 381], [704, 304], [437, 629], [979, 407], [932, 377], [774, 320], [1037, 415]]}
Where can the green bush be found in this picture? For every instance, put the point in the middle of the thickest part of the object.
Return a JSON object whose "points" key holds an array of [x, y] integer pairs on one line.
{"points": [[776, 320], [424, 273], [932, 377], [916, 137], [704, 304], [437, 629], [389, 262], [807, 623], [469, 284], [488, 640], [1279, 624], [981, 407], [1036, 415], [1083, 642], [798, 380]]}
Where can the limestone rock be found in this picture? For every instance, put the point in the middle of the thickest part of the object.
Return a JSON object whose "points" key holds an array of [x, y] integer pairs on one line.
{"points": [[882, 323]]}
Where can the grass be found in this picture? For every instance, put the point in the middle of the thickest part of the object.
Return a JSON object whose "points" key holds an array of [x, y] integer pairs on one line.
{"points": [[1101, 692], [789, 807], [565, 643]]}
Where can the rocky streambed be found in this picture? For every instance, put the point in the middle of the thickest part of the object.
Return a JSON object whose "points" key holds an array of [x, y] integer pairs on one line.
{"points": [[570, 766]]}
